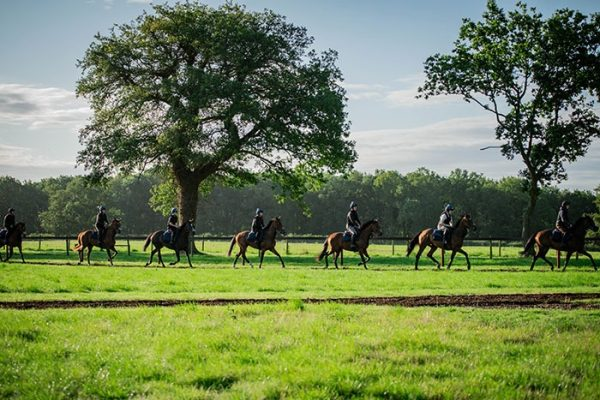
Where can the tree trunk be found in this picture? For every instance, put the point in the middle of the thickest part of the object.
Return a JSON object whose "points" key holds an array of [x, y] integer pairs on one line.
{"points": [[188, 183], [533, 197]]}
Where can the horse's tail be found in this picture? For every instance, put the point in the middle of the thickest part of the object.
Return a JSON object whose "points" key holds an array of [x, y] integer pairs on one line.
{"points": [[324, 252], [528, 245], [231, 246], [79, 244], [412, 244], [147, 242]]}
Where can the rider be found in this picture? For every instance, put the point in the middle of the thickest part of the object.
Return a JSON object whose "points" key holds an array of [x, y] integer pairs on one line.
{"points": [[172, 224], [10, 222], [562, 221], [445, 222], [101, 223], [258, 226], [353, 223]]}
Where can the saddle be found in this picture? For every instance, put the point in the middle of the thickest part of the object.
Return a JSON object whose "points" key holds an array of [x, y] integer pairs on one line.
{"points": [[437, 235], [347, 236], [557, 236], [252, 236], [166, 236]]}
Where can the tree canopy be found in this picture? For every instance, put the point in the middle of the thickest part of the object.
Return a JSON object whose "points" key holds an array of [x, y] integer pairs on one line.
{"points": [[538, 77], [214, 94]]}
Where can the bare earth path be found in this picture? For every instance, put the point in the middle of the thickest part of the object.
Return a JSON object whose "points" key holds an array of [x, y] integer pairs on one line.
{"points": [[542, 300]]}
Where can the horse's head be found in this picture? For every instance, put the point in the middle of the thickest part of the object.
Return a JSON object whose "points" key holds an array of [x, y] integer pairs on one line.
{"points": [[20, 227], [278, 225], [116, 224], [373, 227], [467, 222], [588, 223]]}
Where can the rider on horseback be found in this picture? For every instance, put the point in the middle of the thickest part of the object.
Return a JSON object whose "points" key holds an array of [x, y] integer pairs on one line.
{"points": [[562, 221], [445, 222], [258, 226], [353, 223], [9, 222], [101, 223], [172, 224]]}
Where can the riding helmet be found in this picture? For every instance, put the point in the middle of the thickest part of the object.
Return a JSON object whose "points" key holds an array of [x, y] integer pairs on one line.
{"points": [[11, 210], [100, 208], [173, 210], [353, 204], [565, 203], [449, 207], [259, 210]]}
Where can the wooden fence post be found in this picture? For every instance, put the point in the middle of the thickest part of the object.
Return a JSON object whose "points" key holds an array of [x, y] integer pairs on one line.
{"points": [[128, 247], [443, 253], [203, 245], [499, 248], [491, 255], [67, 242], [287, 247], [393, 248]]}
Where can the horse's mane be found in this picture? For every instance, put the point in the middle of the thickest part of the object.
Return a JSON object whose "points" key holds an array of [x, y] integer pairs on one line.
{"points": [[269, 224], [457, 220], [367, 224], [580, 220]]}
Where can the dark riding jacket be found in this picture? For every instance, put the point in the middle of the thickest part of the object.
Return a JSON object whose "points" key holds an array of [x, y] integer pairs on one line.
{"points": [[9, 221], [258, 224], [352, 220], [562, 219], [172, 222], [445, 221], [101, 221]]}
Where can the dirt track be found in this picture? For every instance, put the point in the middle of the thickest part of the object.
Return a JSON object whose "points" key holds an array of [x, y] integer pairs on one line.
{"points": [[549, 300]]}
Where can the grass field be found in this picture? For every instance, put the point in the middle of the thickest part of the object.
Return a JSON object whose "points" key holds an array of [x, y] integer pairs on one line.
{"points": [[293, 350]]}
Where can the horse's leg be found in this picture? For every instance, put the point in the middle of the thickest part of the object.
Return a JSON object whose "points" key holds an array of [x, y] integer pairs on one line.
{"points": [[335, 259], [585, 253], [418, 256], [430, 256], [342, 257], [109, 257], [569, 253], [245, 258], [178, 258], [9, 253], [536, 255], [151, 255], [89, 251], [542, 255], [452, 255], [21, 253], [278, 255], [364, 261], [327, 259], [464, 253], [235, 260], [261, 256], [160, 258], [187, 254]]}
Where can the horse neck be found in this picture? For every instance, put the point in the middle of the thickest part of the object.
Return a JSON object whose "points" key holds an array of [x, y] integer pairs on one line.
{"points": [[461, 230], [367, 232], [270, 231], [579, 228]]}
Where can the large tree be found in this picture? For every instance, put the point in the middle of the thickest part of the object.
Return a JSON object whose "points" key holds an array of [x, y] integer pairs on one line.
{"points": [[538, 77], [207, 93]]}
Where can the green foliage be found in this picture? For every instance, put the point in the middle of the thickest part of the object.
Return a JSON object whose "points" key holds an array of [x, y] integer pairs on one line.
{"points": [[536, 76], [27, 198], [223, 93]]}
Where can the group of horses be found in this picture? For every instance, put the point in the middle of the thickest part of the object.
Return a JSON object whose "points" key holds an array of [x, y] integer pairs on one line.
{"points": [[335, 244]]}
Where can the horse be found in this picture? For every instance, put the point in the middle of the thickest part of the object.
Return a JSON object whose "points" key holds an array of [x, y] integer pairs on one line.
{"points": [[544, 241], [335, 244], [268, 243], [425, 238], [182, 243], [14, 240], [85, 240]]}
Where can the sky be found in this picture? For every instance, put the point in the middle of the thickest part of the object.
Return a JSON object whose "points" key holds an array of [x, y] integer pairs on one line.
{"points": [[381, 44]]}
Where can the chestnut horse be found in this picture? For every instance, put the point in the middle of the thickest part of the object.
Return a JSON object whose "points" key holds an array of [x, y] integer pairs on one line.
{"points": [[268, 243], [334, 244], [14, 240], [544, 241], [182, 243], [425, 238], [85, 240]]}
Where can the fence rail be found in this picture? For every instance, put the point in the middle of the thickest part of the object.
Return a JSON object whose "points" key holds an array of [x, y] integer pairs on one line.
{"points": [[125, 241]]}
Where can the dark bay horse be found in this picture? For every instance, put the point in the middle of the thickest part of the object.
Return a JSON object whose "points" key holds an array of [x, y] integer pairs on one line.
{"points": [[182, 243], [268, 243], [85, 240], [334, 244], [425, 238], [14, 240], [544, 241]]}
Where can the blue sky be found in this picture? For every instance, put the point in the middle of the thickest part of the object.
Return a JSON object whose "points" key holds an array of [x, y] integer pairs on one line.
{"points": [[381, 45]]}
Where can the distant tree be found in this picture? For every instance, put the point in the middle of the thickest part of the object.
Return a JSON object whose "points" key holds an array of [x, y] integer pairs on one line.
{"points": [[205, 93], [537, 77], [27, 198]]}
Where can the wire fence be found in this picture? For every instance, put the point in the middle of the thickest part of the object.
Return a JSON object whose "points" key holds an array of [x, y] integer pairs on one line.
{"points": [[396, 244]]}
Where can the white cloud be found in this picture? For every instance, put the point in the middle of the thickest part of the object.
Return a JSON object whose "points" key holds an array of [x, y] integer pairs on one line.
{"points": [[401, 92], [19, 157], [37, 107]]}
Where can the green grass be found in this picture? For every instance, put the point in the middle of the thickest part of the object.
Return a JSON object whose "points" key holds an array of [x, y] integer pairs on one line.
{"points": [[296, 350]]}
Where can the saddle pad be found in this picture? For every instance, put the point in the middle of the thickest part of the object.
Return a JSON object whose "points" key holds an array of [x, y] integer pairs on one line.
{"points": [[251, 237], [556, 235], [95, 235], [3, 233], [166, 237], [438, 234], [347, 236]]}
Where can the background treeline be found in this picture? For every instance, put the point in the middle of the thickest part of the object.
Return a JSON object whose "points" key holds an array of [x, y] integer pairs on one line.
{"points": [[404, 203]]}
